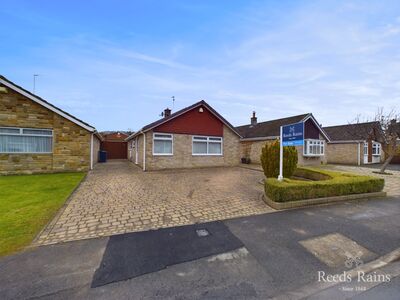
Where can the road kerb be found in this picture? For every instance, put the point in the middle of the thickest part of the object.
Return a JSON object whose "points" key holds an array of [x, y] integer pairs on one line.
{"points": [[313, 288]]}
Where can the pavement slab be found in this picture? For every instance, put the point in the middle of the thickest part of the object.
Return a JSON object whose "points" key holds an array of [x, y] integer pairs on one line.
{"points": [[335, 249], [50, 269]]}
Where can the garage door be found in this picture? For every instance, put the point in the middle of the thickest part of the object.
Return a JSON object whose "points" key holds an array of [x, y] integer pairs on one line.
{"points": [[115, 150], [396, 160]]}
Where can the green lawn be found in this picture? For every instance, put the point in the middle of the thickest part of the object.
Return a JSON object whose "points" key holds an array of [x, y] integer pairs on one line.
{"points": [[28, 203]]}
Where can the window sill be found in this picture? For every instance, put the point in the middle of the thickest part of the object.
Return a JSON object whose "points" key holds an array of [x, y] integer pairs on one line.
{"points": [[19, 153], [207, 154], [155, 154], [313, 155]]}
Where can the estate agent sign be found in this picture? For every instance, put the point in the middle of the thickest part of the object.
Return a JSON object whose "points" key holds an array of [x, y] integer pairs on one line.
{"points": [[291, 135]]}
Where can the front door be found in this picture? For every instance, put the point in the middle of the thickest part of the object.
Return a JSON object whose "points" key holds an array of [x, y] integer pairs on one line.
{"points": [[365, 153]]}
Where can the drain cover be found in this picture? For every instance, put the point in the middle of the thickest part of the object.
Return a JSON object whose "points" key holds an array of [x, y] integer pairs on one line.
{"points": [[202, 232]]}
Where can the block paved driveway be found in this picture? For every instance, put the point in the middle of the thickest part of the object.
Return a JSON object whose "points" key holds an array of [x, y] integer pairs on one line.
{"points": [[117, 197]]}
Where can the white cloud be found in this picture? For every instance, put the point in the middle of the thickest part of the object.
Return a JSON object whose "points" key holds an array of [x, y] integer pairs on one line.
{"points": [[335, 60]]}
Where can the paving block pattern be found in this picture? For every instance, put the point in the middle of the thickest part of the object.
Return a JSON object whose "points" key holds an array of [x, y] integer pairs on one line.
{"points": [[118, 197]]}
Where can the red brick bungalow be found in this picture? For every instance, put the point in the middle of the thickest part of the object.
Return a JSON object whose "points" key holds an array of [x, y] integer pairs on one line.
{"points": [[196, 136]]}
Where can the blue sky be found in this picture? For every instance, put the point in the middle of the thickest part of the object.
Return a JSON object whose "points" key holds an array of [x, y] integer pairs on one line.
{"points": [[116, 64]]}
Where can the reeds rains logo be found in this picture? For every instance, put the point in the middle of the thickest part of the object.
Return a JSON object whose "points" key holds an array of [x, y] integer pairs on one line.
{"points": [[353, 262], [358, 276]]}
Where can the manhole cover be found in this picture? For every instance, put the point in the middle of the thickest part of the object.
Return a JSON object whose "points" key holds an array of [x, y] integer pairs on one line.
{"points": [[202, 232]]}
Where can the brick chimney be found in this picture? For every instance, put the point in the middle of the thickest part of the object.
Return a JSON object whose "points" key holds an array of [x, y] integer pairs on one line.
{"points": [[167, 112], [253, 120], [394, 128]]}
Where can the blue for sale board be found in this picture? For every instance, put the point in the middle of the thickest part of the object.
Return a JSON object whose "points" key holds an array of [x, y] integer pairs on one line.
{"points": [[293, 134]]}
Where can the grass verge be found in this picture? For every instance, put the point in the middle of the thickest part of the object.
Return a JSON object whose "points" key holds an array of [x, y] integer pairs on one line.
{"points": [[28, 203]]}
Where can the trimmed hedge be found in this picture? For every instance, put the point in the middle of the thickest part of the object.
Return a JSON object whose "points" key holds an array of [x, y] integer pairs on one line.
{"points": [[311, 174], [334, 184], [270, 160]]}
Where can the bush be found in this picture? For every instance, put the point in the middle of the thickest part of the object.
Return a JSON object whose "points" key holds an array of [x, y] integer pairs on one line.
{"points": [[339, 184], [270, 160], [310, 174]]}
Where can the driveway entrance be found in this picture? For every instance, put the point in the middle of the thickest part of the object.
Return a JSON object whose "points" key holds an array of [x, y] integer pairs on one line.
{"points": [[118, 197]]}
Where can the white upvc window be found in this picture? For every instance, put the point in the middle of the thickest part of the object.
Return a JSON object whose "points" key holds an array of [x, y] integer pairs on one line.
{"points": [[314, 147], [376, 148], [206, 145], [163, 144], [25, 140]]}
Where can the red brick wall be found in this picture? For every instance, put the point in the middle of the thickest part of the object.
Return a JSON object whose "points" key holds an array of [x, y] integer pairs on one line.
{"points": [[311, 131], [193, 122]]}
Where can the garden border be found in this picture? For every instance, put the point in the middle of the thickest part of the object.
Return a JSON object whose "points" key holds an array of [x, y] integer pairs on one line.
{"points": [[318, 201]]}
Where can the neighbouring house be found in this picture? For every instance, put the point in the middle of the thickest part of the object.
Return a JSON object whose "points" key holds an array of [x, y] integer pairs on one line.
{"points": [[355, 144], [114, 144], [38, 137], [396, 158], [196, 136], [256, 134]]}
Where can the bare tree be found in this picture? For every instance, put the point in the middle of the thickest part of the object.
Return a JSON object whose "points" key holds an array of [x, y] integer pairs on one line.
{"points": [[390, 124], [383, 128]]}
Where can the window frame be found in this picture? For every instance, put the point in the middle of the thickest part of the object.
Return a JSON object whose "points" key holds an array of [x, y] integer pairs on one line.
{"points": [[132, 144], [378, 147], [208, 141], [365, 149], [21, 130], [171, 138], [319, 143]]}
